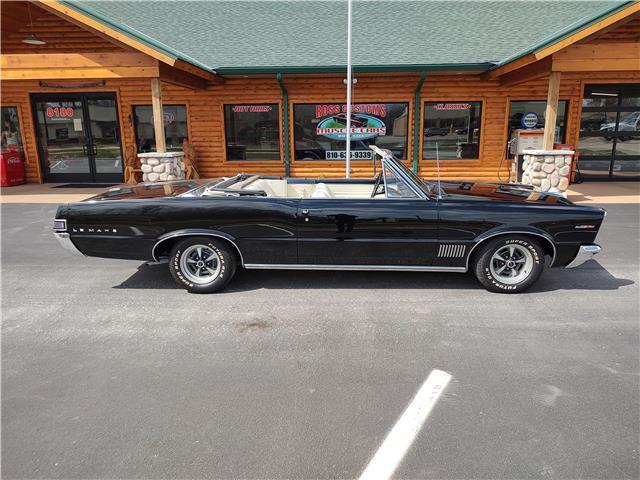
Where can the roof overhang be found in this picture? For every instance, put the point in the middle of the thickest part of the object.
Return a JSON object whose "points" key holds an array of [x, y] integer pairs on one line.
{"points": [[573, 33], [90, 19]]}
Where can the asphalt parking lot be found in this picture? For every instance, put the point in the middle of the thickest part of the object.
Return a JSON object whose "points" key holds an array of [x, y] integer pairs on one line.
{"points": [[109, 370]]}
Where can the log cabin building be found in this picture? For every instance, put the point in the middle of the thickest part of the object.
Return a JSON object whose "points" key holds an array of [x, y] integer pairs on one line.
{"points": [[260, 86]]}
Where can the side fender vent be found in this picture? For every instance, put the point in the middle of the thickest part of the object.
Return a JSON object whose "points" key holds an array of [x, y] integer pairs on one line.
{"points": [[450, 250]]}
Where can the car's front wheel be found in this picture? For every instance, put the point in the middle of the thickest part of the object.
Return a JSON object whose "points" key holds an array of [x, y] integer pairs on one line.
{"points": [[509, 264], [202, 264]]}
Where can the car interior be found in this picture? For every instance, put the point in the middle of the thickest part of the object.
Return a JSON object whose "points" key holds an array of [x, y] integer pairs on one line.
{"points": [[285, 188]]}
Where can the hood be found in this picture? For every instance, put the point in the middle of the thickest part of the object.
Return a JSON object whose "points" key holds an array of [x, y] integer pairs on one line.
{"points": [[504, 192], [148, 190]]}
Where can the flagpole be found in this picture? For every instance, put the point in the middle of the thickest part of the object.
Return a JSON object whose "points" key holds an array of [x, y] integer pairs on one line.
{"points": [[349, 84]]}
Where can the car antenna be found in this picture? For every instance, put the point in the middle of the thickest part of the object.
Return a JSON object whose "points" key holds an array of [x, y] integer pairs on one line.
{"points": [[438, 171]]}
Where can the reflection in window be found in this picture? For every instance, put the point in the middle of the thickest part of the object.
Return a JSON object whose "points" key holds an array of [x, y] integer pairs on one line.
{"points": [[396, 187], [252, 132], [452, 127], [175, 127], [521, 108], [320, 130], [11, 139]]}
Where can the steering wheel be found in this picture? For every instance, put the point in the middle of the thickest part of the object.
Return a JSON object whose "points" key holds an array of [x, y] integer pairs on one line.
{"points": [[377, 185]]}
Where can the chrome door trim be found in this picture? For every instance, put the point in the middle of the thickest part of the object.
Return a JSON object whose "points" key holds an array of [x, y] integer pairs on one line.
{"points": [[396, 268]]}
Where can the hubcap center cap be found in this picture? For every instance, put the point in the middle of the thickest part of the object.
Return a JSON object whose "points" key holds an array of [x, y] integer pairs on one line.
{"points": [[200, 264], [511, 264]]}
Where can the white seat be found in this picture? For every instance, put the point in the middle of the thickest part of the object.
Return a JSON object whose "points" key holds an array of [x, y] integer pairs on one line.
{"points": [[321, 191]]}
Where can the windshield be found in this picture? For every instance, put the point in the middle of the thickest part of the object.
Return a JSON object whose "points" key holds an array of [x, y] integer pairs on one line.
{"points": [[427, 187]]}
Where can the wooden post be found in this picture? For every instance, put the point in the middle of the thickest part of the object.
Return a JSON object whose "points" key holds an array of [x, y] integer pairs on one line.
{"points": [[551, 113], [158, 117]]}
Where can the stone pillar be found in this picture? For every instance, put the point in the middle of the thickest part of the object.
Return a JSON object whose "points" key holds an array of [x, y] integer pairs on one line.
{"points": [[161, 167], [547, 170]]}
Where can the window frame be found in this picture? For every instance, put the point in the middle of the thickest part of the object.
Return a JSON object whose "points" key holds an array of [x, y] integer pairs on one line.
{"points": [[225, 159], [423, 118], [408, 136], [134, 120], [567, 111]]}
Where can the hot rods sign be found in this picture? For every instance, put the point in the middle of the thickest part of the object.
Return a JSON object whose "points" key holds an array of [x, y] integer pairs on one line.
{"points": [[366, 121]]}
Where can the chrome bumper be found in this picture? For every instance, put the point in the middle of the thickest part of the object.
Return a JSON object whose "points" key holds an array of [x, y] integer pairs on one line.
{"points": [[67, 244], [584, 254]]}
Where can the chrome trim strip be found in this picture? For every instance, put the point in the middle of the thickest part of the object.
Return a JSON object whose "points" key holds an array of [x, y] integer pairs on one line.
{"points": [[397, 268], [523, 232], [451, 250], [66, 243], [586, 252], [194, 234]]}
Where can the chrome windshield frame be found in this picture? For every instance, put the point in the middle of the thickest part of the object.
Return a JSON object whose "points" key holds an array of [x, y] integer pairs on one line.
{"points": [[389, 161]]}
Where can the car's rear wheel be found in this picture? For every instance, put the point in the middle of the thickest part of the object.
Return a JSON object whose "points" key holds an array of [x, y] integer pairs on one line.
{"points": [[202, 264], [509, 264]]}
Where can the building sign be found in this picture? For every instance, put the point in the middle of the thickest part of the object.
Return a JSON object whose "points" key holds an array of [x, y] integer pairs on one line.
{"points": [[59, 112], [529, 120], [320, 130], [251, 108], [452, 106], [365, 121]]}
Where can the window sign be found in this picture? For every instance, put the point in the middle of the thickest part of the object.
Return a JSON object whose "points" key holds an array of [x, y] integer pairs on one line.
{"points": [[529, 120], [320, 130], [11, 140], [175, 127], [252, 132], [451, 130]]}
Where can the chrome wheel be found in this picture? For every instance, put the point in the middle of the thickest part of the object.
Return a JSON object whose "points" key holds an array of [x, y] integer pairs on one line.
{"points": [[511, 264], [200, 264]]}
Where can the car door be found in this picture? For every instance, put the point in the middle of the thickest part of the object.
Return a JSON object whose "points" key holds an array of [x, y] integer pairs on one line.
{"points": [[396, 228]]}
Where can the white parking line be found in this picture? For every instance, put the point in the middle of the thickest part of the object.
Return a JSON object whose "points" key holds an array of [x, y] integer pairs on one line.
{"points": [[404, 432]]}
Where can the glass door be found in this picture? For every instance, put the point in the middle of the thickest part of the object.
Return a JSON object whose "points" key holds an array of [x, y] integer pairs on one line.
{"points": [[78, 137], [609, 143]]}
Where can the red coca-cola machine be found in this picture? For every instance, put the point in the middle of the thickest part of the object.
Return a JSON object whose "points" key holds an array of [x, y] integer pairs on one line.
{"points": [[11, 168], [11, 156]]}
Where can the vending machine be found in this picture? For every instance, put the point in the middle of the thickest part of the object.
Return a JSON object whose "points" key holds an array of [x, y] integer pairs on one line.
{"points": [[12, 171]]}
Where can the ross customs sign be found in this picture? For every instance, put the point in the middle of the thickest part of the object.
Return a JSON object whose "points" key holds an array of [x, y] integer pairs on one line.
{"points": [[366, 121]]}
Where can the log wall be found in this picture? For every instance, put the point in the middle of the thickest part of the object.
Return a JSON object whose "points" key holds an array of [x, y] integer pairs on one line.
{"points": [[206, 124]]}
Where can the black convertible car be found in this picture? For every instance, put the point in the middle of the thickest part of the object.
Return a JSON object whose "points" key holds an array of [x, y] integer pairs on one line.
{"points": [[504, 233]]}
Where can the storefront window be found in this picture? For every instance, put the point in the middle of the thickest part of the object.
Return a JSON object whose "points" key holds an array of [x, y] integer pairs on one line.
{"points": [[175, 127], [11, 139], [453, 129], [252, 132], [530, 114], [320, 130]]}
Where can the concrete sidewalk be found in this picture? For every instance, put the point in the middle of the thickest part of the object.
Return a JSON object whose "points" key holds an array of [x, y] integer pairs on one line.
{"points": [[594, 192], [47, 193]]}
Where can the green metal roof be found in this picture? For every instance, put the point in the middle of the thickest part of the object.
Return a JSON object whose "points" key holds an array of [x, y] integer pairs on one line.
{"points": [[245, 36]]}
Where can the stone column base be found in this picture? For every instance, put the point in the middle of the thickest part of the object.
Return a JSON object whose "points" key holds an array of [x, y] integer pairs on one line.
{"points": [[161, 167], [547, 170]]}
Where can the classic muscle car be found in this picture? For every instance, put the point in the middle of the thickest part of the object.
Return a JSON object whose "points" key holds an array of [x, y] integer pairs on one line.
{"points": [[206, 229]]}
